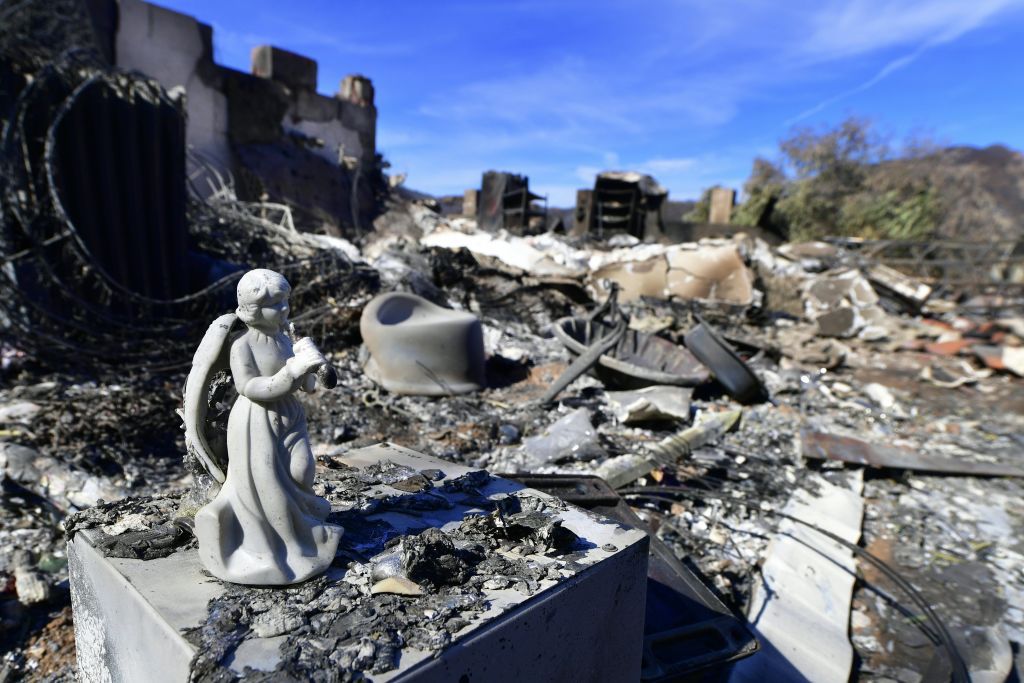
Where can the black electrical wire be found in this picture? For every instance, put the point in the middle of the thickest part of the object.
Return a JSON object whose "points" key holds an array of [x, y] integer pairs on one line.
{"points": [[941, 633]]}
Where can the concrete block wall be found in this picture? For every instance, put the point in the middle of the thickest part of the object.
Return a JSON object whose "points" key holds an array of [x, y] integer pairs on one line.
{"points": [[177, 50], [270, 128]]}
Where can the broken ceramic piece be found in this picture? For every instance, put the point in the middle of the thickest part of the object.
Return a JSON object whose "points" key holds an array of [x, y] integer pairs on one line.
{"points": [[651, 403], [637, 278], [265, 526], [416, 347], [397, 585], [571, 437], [708, 273], [843, 304]]}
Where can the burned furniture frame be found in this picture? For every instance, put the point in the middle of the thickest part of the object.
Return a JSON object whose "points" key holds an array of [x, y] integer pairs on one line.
{"points": [[621, 202], [506, 203]]}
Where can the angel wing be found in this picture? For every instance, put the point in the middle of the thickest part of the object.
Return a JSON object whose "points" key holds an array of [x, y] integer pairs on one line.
{"points": [[211, 357]]}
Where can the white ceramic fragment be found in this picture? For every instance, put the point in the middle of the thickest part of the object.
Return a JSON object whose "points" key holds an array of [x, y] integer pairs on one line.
{"points": [[399, 585], [651, 403], [265, 526], [419, 348]]}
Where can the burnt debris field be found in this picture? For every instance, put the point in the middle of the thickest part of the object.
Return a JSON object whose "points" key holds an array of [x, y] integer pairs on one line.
{"points": [[822, 438]]}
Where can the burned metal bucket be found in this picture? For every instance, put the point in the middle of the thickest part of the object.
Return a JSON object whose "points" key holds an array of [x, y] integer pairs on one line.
{"points": [[638, 360]]}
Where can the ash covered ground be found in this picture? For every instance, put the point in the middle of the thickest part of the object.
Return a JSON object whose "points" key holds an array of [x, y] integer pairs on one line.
{"points": [[917, 383], [904, 403]]}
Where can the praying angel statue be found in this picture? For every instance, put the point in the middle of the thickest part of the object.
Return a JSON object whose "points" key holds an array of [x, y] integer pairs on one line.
{"points": [[265, 526]]}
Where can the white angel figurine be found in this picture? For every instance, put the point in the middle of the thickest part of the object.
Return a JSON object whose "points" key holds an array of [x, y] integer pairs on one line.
{"points": [[265, 526]]}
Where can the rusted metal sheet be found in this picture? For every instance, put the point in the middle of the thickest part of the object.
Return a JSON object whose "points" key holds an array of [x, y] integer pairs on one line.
{"points": [[821, 446]]}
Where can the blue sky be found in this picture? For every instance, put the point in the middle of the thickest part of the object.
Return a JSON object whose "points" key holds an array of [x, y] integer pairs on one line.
{"points": [[689, 91]]}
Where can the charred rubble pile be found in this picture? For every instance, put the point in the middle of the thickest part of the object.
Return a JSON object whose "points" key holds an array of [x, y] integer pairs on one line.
{"points": [[875, 384], [412, 588], [744, 402], [890, 421]]}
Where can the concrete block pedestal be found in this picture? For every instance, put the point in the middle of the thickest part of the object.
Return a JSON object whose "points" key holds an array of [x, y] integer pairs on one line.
{"points": [[131, 616]]}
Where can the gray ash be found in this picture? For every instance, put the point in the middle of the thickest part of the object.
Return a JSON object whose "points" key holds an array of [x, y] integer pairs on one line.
{"points": [[336, 630]]}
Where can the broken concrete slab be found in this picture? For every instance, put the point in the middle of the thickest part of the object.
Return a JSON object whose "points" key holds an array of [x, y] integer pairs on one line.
{"points": [[839, 287], [909, 293], [571, 437], [832, 289], [131, 616], [843, 304]]}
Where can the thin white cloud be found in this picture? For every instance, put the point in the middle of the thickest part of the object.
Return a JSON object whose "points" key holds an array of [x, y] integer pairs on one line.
{"points": [[669, 165], [722, 60], [859, 27], [889, 68], [866, 27]]}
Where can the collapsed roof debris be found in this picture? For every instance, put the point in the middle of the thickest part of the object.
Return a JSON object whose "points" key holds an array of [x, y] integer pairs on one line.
{"points": [[714, 499]]}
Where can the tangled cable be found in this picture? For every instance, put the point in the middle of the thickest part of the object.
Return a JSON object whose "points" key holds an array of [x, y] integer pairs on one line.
{"points": [[59, 301]]}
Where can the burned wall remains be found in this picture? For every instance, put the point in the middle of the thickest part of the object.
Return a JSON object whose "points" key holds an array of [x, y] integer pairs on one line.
{"points": [[271, 129]]}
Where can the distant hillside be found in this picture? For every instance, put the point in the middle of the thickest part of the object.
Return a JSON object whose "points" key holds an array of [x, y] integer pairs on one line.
{"points": [[981, 191], [673, 211]]}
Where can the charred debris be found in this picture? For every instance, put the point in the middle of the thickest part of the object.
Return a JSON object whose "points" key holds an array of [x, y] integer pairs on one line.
{"points": [[732, 392]]}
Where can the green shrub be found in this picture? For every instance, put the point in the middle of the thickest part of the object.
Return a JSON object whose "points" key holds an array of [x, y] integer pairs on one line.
{"points": [[841, 182]]}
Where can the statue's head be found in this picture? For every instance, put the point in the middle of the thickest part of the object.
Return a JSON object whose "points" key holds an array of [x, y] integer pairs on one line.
{"points": [[256, 290]]}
